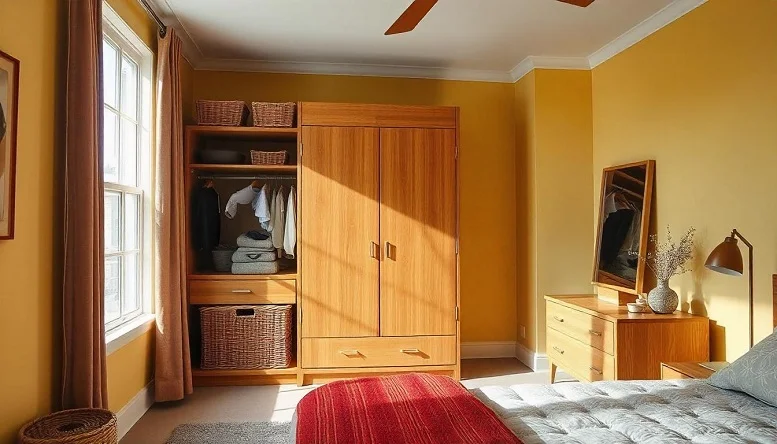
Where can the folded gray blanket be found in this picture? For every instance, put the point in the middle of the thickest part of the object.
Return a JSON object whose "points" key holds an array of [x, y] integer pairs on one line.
{"points": [[247, 255], [245, 241], [255, 268]]}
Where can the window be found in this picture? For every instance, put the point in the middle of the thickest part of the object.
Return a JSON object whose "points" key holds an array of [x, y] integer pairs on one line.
{"points": [[126, 170]]}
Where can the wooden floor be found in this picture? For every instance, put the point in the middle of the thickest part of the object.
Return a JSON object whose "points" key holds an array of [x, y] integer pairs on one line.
{"points": [[277, 403]]}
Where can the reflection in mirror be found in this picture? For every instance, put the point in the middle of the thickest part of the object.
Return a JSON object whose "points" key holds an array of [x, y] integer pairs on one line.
{"points": [[623, 225]]}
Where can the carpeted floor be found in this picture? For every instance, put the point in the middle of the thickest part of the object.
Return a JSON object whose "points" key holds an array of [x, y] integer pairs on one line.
{"points": [[231, 432]]}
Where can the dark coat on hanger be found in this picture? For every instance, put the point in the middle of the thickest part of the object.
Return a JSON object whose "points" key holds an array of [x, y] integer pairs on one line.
{"points": [[206, 225]]}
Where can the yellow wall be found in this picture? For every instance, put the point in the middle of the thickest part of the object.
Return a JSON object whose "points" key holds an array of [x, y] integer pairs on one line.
{"points": [[29, 263], [700, 97], [488, 235], [130, 368], [554, 142]]}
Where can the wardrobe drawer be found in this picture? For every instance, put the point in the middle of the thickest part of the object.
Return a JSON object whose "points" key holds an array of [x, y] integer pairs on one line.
{"points": [[378, 351], [580, 360], [590, 330], [228, 292]]}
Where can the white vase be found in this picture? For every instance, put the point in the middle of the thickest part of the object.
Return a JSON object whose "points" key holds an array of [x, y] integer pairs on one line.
{"points": [[663, 299]]}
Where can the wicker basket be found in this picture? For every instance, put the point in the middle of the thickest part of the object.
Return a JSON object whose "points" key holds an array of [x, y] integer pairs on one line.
{"points": [[80, 426], [268, 157], [221, 113], [222, 259], [246, 337], [273, 114]]}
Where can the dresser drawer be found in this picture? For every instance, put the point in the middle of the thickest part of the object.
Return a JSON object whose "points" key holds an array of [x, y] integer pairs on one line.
{"points": [[581, 360], [596, 332], [228, 292], [378, 351]]}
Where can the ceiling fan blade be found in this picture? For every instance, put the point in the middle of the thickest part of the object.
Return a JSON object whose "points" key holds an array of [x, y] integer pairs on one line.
{"points": [[411, 17], [581, 3]]}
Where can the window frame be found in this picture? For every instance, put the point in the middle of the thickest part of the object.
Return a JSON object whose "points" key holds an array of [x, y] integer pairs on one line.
{"points": [[120, 36]]}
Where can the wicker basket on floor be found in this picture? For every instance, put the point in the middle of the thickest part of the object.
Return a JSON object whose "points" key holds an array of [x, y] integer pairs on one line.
{"points": [[246, 337], [221, 112], [79, 426], [268, 157], [273, 114]]}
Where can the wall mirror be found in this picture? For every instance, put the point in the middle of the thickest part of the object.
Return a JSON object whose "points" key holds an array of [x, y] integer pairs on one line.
{"points": [[623, 229]]}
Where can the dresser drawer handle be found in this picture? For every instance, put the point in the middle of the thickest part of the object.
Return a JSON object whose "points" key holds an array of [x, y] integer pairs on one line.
{"points": [[598, 372], [558, 350], [242, 291], [558, 318], [410, 351], [350, 353], [595, 333]]}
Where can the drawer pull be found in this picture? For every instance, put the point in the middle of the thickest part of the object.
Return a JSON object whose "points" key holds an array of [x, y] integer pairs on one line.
{"points": [[410, 351], [595, 333], [350, 353], [558, 318], [242, 291], [558, 350], [596, 370]]}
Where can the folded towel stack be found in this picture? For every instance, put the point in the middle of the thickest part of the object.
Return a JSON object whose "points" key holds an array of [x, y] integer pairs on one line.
{"points": [[255, 255]]}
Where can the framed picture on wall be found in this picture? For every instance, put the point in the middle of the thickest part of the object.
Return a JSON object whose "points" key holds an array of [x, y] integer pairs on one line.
{"points": [[9, 107]]}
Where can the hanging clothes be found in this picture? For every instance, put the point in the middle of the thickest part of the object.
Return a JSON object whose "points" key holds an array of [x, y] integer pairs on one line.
{"points": [[242, 197], [290, 231], [273, 206], [278, 221], [206, 225], [262, 208]]}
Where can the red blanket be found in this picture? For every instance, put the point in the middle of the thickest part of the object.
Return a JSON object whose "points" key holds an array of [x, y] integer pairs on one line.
{"points": [[403, 409]]}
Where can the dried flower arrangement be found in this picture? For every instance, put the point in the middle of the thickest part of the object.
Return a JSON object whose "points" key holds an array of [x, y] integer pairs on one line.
{"points": [[670, 259]]}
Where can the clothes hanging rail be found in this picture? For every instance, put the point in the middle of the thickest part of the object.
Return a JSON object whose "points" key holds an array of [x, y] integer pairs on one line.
{"points": [[260, 177], [150, 11]]}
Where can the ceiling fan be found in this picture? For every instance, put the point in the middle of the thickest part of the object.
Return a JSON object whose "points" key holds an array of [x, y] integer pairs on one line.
{"points": [[419, 8]]}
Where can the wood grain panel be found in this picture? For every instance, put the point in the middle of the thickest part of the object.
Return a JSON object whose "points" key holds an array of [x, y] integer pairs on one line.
{"points": [[669, 374], [339, 222], [590, 330], [418, 232], [684, 370], [578, 359], [229, 292], [390, 116], [378, 352]]}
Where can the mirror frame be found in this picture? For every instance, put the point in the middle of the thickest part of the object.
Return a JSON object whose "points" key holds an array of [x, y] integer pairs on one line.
{"points": [[650, 168]]}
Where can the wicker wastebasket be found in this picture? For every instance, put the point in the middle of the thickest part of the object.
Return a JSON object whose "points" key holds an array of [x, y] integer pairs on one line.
{"points": [[79, 426]]}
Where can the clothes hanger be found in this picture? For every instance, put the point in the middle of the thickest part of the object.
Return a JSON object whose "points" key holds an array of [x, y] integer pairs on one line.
{"points": [[208, 183]]}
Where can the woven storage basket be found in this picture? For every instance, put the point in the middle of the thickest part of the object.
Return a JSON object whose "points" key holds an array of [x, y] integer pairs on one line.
{"points": [[246, 337], [222, 259], [268, 157], [221, 113], [79, 426], [273, 114]]}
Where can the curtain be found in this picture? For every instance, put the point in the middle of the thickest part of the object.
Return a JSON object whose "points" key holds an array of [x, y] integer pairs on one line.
{"points": [[83, 351], [173, 377]]}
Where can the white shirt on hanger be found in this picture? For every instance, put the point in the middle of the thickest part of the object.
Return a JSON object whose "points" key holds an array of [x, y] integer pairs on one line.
{"points": [[290, 231], [262, 208], [242, 197], [278, 220]]}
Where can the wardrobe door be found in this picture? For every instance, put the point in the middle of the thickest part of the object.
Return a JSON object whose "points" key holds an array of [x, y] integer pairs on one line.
{"points": [[418, 232], [339, 232]]}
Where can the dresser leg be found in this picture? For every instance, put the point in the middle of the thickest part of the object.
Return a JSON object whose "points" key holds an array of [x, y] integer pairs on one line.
{"points": [[552, 372]]}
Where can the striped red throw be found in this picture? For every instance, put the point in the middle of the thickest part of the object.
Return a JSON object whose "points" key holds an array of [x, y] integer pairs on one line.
{"points": [[403, 409]]}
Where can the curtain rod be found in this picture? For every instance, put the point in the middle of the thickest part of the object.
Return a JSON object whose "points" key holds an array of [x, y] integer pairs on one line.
{"points": [[152, 14]]}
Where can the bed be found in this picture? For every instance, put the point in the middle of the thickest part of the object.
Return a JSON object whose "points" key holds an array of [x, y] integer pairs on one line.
{"points": [[611, 412]]}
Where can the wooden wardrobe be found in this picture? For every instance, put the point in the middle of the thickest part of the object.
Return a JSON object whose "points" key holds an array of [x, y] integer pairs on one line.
{"points": [[378, 240]]}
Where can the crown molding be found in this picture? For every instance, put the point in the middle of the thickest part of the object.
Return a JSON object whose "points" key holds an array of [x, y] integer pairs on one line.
{"points": [[353, 69], [669, 14], [531, 63]]}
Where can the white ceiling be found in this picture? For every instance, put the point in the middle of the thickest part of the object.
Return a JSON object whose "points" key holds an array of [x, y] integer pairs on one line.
{"points": [[476, 36]]}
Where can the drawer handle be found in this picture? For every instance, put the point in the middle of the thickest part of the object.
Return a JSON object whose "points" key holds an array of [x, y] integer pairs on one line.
{"points": [[350, 353], [558, 318], [410, 351], [595, 333], [598, 372], [242, 291], [558, 350]]}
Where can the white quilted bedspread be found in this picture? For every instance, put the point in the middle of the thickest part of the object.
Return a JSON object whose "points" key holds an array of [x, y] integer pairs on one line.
{"points": [[648, 412]]}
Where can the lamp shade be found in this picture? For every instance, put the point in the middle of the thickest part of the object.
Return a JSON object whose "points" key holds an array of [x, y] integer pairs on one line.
{"points": [[726, 258]]}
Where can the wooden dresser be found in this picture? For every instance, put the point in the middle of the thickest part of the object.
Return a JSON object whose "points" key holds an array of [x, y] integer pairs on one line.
{"points": [[593, 340]]}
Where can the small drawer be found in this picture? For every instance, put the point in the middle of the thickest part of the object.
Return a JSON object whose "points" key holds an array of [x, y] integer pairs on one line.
{"points": [[670, 374], [232, 292], [596, 332], [580, 360], [378, 351]]}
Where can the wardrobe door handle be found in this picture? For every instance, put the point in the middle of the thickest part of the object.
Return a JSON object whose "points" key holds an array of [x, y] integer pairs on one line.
{"points": [[350, 353], [598, 372], [595, 333], [374, 250], [558, 350], [388, 250], [410, 351], [558, 318], [242, 291]]}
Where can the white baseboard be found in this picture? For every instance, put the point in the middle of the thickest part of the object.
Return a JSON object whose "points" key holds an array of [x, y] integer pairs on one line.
{"points": [[538, 362], [474, 350], [135, 409]]}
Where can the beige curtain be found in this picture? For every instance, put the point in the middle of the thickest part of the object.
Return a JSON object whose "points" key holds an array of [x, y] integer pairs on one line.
{"points": [[83, 350], [173, 377]]}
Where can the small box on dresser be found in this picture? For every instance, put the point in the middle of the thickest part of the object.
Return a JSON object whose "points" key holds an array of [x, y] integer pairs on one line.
{"points": [[593, 340]]}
